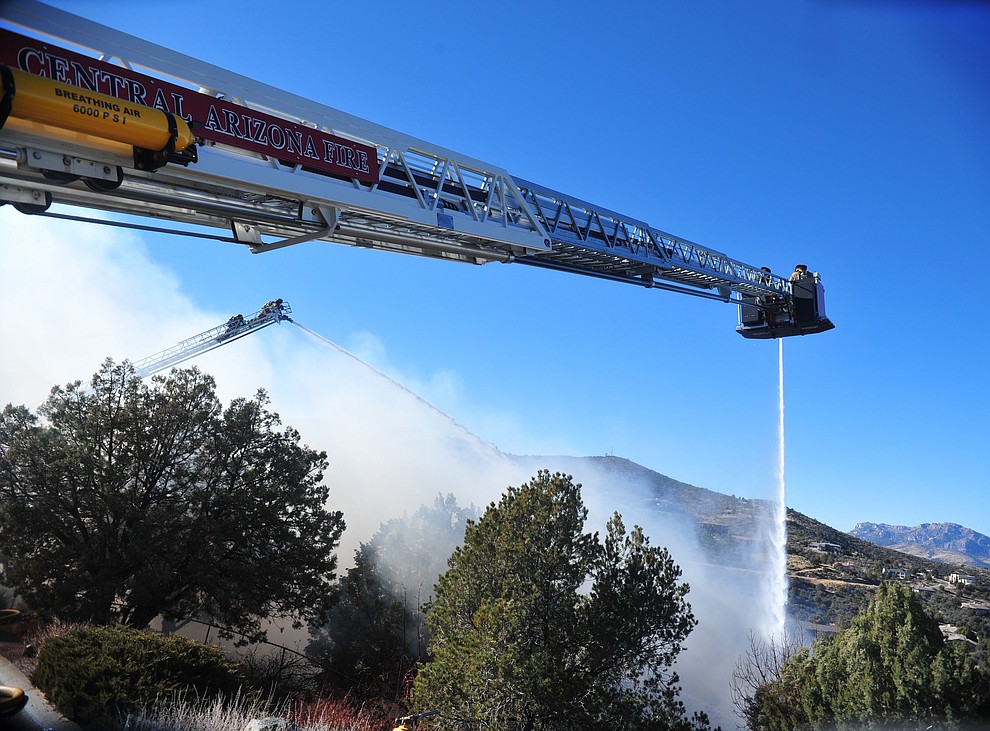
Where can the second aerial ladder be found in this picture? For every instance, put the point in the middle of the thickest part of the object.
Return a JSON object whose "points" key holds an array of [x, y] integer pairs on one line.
{"points": [[235, 328]]}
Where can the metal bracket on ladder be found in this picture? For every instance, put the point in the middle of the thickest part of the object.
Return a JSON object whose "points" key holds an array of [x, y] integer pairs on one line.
{"points": [[250, 234]]}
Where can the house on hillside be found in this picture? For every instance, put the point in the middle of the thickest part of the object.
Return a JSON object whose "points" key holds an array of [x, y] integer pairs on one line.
{"points": [[823, 547], [962, 579], [951, 633], [895, 573], [811, 631]]}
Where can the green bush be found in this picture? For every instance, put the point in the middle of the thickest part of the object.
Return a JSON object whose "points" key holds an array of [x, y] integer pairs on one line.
{"points": [[94, 673]]}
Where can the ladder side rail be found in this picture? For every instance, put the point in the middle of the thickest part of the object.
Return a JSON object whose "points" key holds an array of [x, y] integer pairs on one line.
{"points": [[214, 194], [660, 284], [283, 201], [175, 355], [674, 256], [740, 277], [482, 193], [156, 365], [397, 213], [161, 364], [580, 226], [189, 344], [576, 222]]}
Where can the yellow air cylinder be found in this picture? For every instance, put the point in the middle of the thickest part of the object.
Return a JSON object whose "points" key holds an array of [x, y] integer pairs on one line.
{"points": [[37, 99]]}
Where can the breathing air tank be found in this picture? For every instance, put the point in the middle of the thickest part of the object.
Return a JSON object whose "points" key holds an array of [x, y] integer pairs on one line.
{"points": [[36, 104]]}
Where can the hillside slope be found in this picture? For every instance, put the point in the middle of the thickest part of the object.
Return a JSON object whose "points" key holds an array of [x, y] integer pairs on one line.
{"points": [[824, 587]]}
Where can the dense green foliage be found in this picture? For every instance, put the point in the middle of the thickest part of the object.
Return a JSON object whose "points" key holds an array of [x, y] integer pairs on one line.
{"points": [[540, 625], [92, 673], [890, 667], [126, 500], [375, 633]]}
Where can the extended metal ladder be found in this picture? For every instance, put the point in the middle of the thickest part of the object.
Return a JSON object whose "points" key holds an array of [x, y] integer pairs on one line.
{"points": [[234, 329], [274, 169]]}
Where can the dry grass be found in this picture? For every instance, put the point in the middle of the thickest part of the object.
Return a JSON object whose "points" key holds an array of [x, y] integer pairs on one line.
{"points": [[329, 714], [186, 714], [192, 715], [50, 630], [21, 639]]}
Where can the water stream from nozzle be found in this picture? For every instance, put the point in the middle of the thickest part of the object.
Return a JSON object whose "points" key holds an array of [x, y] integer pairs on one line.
{"points": [[395, 383], [778, 536]]}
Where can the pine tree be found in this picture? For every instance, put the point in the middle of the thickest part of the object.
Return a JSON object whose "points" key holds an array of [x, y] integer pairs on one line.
{"points": [[129, 499], [890, 667], [539, 625]]}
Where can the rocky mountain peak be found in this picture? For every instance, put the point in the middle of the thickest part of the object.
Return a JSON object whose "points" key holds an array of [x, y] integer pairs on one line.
{"points": [[941, 541]]}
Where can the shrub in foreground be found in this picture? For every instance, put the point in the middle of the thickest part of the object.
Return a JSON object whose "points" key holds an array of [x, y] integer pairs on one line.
{"points": [[95, 673]]}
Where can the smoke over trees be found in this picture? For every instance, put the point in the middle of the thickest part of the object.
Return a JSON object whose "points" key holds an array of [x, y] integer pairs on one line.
{"points": [[375, 634], [539, 625], [125, 500]]}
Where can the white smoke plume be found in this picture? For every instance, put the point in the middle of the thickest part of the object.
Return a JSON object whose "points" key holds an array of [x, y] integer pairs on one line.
{"points": [[76, 294], [729, 602]]}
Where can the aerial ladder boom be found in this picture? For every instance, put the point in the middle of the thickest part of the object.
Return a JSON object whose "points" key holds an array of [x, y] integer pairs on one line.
{"points": [[98, 119], [234, 329]]}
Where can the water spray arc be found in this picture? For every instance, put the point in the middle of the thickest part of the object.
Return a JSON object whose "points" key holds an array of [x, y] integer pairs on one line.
{"points": [[342, 351], [274, 311], [392, 381]]}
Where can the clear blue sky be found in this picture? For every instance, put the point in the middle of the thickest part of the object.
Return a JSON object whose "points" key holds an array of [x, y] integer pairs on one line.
{"points": [[851, 136]]}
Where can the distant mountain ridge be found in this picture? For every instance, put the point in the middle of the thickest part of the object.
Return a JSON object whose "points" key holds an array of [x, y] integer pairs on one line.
{"points": [[944, 542]]}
